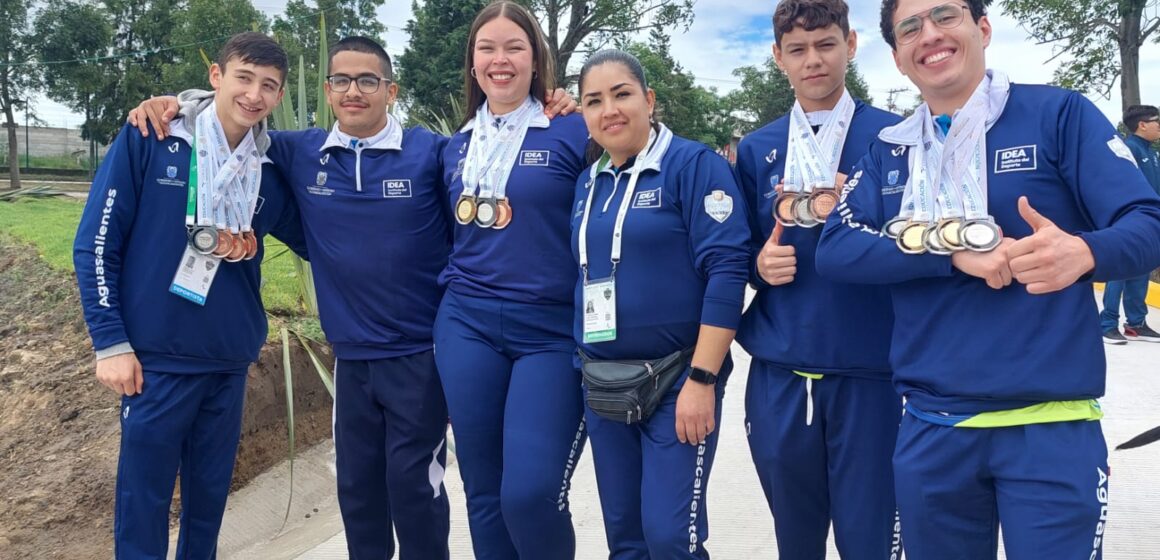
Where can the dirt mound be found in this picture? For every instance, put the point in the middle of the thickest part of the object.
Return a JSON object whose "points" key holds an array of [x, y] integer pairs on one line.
{"points": [[59, 431]]}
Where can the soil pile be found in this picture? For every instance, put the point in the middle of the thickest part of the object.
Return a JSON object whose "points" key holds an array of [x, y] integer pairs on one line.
{"points": [[59, 431]]}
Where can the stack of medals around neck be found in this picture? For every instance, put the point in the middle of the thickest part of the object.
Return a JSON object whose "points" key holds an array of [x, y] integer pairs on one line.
{"points": [[491, 157], [809, 194], [223, 192], [944, 207]]}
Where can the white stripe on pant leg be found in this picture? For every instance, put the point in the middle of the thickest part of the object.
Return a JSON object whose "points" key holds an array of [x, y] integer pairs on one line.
{"points": [[809, 401], [332, 464], [569, 467], [436, 470]]}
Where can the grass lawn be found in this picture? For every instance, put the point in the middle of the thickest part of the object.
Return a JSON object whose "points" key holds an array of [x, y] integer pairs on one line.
{"points": [[50, 225]]}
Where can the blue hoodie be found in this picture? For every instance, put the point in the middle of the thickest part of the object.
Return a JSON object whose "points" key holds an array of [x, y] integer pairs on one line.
{"points": [[680, 266], [378, 232], [813, 324], [528, 261], [128, 246], [961, 347]]}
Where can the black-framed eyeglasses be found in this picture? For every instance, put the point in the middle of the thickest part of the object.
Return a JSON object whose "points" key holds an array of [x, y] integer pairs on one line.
{"points": [[366, 83], [946, 16]]}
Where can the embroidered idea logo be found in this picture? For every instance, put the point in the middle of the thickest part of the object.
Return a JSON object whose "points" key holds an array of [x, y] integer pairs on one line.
{"points": [[719, 205], [535, 158], [648, 199], [397, 188], [1019, 158]]}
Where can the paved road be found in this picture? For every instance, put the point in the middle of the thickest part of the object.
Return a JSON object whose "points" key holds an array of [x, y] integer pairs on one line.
{"points": [[740, 524]]}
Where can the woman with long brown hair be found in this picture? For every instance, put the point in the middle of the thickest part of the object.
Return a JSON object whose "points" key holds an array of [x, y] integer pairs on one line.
{"points": [[503, 332]]}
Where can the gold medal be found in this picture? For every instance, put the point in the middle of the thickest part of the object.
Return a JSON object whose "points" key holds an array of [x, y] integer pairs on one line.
{"points": [[822, 203], [465, 209], [503, 211], [783, 209], [948, 232], [932, 241], [910, 239]]}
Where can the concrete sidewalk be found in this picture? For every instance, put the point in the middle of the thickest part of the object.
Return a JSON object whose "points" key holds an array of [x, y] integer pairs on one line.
{"points": [[740, 523]]}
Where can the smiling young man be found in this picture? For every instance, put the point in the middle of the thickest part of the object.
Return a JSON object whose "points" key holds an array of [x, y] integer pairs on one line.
{"points": [[820, 411], [171, 295], [1013, 199]]}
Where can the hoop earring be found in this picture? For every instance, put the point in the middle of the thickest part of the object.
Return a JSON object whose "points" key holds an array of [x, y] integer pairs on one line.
{"points": [[472, 72], [535, 74]]}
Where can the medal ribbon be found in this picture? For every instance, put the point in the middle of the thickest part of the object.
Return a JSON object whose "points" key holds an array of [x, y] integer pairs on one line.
{"points": [[658, 144], [491, 155], [959, 163], [812, 161], [227, 183]]}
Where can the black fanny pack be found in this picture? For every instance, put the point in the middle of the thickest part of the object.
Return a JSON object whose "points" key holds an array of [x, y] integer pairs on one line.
{"points": [[629, 390]]}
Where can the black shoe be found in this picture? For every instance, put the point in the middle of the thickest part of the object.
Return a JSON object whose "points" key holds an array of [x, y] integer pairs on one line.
{"points": [[1113, 336], [1140, 332]]}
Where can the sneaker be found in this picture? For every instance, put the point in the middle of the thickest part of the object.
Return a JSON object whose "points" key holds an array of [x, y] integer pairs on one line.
{"points": [[1140, 332], [1113, 336]]}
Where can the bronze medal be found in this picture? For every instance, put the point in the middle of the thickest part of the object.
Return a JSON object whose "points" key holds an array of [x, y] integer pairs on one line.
{"points": [[239, 249], [225, 243], [783, 209], [251, 245], [822, 203], [503, 216]]}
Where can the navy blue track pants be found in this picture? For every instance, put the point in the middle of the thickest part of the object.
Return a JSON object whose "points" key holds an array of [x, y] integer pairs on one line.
{"points": [[186, 422], [390, 427], [823, 455], [517, 414]]}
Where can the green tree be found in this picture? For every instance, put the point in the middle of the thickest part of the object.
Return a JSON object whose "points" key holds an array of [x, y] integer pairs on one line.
{"points": [[72, 31], [688, 109], [141, 45], [765, 93], [18, 80], [431, 67], [204, 27], [297, 30], [1101, 38], [579, 26]]}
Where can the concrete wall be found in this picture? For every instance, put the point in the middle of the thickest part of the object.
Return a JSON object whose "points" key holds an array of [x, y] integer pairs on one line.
{"points": [[49, 141]]}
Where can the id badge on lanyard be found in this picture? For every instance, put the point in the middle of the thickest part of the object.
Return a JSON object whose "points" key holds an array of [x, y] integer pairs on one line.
{"points": [[194, 276], [600, 310]]}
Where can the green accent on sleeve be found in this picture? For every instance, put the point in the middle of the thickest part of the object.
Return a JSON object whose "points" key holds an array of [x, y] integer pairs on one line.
{"points": [[1042, 413], [814, 376], [191, 200]]}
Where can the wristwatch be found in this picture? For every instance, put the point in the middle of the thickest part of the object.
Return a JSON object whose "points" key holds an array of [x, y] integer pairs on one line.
{"points": [[702, 376]]}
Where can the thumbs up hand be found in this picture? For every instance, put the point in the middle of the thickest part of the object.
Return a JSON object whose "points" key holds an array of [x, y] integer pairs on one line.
{"points": [[776, 263], [1050, 259]]}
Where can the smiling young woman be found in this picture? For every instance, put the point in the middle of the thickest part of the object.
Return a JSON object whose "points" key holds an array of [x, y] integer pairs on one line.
{"points": [[503, 331]]}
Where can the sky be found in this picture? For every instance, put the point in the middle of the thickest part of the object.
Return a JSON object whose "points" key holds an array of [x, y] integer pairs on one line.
{"points": [[728, 34]]}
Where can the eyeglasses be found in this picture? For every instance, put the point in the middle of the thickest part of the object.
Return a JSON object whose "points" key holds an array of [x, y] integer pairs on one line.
{"points": [[366, 83], [946, 16]]}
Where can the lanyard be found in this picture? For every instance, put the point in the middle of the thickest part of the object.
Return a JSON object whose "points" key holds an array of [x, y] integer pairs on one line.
{"points": [[654, 150], [491, 156], [812, 161]]}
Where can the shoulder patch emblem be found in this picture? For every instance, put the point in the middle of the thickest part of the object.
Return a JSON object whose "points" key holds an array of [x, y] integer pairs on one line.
{"points": [[1118, 147], [719, 205]]}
